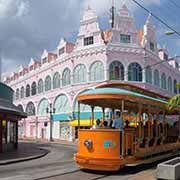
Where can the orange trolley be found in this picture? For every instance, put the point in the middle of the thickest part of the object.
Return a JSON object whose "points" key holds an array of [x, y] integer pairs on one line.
{"points": [[149, 139]]}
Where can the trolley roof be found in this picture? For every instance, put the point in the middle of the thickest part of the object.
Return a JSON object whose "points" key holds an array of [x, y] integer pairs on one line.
{"points": [[112, 98]]}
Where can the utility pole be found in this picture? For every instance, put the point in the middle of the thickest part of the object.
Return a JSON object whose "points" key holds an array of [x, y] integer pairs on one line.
{"points": [[51, 111], [112, 14]]}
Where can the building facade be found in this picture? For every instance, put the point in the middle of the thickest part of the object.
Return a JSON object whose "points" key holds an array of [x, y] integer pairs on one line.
{"points": [[9, 117], [120, 54]]}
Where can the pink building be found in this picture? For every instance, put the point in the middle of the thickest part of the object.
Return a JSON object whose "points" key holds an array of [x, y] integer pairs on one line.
{"points": [[122, 53]]}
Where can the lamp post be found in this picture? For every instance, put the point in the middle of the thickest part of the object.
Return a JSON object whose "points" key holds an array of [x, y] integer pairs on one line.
{"points": [[36, 122], [51, 111], [168, 33]]}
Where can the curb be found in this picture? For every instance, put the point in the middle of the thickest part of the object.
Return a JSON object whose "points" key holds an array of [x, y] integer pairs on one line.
{"points": [[48, 142], [6, 162]]}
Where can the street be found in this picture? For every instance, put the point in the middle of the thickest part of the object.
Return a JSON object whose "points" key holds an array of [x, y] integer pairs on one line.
{"points": [[59, 164]]}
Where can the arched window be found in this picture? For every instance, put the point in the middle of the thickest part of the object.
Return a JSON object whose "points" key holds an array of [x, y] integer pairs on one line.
{"points": [[30, 109], [48, 83], [163, 81], [28, 90], [62, 104], [169, 84], [86, 109], [83, 107], [116, 71], [20, 107], [134, 72], [80, 73], [148, 75], [66, 77], [22, 92], [56, 80], [40, 86], [42, 107], [33, 89], [156, 78], [175, 86], [97, 71], [17, 94]]}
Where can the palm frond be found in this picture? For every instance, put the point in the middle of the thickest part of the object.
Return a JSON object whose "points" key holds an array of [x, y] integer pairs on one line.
{"points": [[174, 102], [178, 85]]}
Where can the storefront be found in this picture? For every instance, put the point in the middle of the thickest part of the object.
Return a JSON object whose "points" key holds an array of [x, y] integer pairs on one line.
{"points": [[9, 117]]}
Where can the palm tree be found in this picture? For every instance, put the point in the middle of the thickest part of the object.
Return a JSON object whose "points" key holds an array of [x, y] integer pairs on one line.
{"points": [[175, 100]]}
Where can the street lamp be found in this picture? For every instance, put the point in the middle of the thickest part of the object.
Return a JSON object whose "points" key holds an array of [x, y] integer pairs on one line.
{"points": [[51, 111], [168, 33]]}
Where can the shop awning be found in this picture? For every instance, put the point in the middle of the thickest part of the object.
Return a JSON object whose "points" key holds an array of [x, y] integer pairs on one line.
{"points": [[83, 122]]}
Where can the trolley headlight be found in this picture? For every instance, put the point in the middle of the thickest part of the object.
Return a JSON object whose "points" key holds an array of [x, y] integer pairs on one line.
{"points": [[88, 144]]}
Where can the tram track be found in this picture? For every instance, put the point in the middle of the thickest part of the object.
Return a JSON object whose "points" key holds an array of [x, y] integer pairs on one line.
{"points": [[75, 175]]}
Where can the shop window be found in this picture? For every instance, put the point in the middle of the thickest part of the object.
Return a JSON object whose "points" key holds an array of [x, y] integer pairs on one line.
{"points": [[97, 71], [66, 77], [116, 71], [56, 80], [156, 78], [134, 72], [40, 86], [80, 73], [48, 83]]}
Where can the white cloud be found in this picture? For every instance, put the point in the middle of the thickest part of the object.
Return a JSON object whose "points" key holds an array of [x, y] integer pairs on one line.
{"points": [[102, 6], [13, 8]]}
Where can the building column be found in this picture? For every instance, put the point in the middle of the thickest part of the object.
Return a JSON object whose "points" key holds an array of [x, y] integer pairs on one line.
{"points": [[106, 74], [144, 75], [88, 76], [125, 73]]}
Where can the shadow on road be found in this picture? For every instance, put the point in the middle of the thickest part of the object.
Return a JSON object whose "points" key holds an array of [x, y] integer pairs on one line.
{"points": [[129, 170]]}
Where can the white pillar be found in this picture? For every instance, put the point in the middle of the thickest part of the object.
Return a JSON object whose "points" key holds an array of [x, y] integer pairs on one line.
{"points": [[106, 74], [144, 75], [125, 73]]}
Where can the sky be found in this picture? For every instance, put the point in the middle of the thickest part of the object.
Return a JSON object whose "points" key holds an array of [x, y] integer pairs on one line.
{"points": [[27, 27]]}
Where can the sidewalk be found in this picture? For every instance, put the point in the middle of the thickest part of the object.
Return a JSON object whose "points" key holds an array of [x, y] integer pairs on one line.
{"points": [[147, 175], [25, 151]]}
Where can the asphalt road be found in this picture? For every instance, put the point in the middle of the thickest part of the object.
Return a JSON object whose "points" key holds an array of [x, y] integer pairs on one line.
{"points": [[59, 164]]}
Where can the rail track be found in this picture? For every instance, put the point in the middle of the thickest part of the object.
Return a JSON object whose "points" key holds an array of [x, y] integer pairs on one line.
{"points": [[77, 175]]}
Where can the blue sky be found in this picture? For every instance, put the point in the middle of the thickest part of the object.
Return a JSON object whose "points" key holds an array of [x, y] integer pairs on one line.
{"points": [[30, 26]]}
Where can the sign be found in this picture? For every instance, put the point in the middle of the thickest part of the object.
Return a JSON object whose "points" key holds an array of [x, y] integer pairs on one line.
{"points": [[109, 144]]}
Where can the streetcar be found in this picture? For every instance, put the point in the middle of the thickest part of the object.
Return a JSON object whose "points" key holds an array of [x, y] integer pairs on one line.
{"points": [[148, 131]]}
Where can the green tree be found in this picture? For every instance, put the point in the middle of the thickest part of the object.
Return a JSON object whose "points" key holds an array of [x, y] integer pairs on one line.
{"points": [[175, 100]]}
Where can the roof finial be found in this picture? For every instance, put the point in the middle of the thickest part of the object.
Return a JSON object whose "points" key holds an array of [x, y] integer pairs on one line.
{"points": [[88, 5]]}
